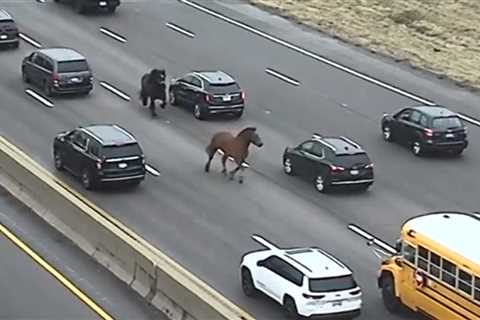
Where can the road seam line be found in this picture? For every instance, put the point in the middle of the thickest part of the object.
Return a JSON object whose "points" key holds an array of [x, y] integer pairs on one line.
{"points": [[114, 90], [39, 98], [179, 29], [282, 77], [56, 274], [113, 35]]}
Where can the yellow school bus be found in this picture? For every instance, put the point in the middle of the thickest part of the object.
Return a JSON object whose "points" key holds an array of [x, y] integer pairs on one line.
{"points": [[436, 268]]}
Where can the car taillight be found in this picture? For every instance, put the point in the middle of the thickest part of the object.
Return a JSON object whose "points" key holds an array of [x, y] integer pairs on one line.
{"points": [[428, 132], [208, 98], [370, 165], [55, 78], [309, 296], [243, 95], [336, 169]]}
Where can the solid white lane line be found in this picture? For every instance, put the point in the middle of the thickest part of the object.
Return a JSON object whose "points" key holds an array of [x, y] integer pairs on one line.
{"points": [[468, 119], [113, 35], [115, 90], [152, 170], [39, 98], [306, 52], [281, 76], [180, 29], [29, 40]]}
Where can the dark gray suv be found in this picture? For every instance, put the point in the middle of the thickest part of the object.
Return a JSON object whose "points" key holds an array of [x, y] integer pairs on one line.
{"points": [[81, 6], [58, 71], [8, 30]]}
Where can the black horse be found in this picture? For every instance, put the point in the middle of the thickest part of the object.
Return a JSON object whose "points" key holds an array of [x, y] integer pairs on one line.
{"points": [[153, 86]]}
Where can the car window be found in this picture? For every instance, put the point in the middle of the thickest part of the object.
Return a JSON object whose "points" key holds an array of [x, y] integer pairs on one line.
{"points": [[222, 88], [405, 114], [94, 148], [349, 160], [445, 123], [126, 150], [47, 65], [284, 269], [332, 284], [72, 66], [187, 79], [79, 139], [423, 121], [317, 149], [415, 116], [38, 60], [196, 82], [306, 146]]}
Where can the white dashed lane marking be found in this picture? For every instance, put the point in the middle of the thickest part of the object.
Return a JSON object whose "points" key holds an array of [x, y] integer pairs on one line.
{"points": [[179, 29], [114, 90], [282, 77], [113, 35], [39, 98], [29, 40]]}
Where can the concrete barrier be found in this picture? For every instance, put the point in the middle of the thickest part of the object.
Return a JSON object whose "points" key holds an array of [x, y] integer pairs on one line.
{"points": [[158, 278]]}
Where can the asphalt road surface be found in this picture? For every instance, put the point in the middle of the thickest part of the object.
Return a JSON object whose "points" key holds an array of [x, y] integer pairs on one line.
{"points": [[31, 291], [202, 220]]}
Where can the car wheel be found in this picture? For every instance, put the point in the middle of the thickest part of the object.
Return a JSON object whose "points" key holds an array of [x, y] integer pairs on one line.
{"points": [[58, 161], [288, 167], [47, 89], [387, 134], [238, 115], [247, 283], [25, 76], [457, 152], [87, 180], [290, 307], [16, 44], [390, 300], [172, 98], [197, 112], [417, 148], [320, 184]]}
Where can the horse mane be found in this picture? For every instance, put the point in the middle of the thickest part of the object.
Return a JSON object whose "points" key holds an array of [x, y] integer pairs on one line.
{"points": [[247, 129]]}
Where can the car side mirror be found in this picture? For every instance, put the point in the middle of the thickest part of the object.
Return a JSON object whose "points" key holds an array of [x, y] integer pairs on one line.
{"points": [[404, 116]]}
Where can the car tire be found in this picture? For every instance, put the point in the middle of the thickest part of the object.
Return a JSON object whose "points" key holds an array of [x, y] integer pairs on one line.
{"points": [[387, 134], [247, 283], [25, 77], [290, 307], [417, 148], [238, 115], [320, 184], [390, 300], [457, 153], [16, 44], [47, 89], [58, 161], [172, 98], [87, 180], [288, 167], [198, 113]]}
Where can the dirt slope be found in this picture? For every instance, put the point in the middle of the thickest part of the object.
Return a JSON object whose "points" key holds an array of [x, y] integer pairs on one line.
{"points": [[442, 36]]}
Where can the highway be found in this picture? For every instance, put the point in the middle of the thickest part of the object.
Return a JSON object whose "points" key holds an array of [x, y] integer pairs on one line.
{"points": [[202, 220], [82, 289]]}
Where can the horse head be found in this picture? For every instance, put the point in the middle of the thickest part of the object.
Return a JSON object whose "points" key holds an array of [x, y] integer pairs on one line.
{"points": [[158, 76], [251, 134]]}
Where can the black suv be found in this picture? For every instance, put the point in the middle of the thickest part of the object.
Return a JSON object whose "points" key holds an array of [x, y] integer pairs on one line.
{"points": [[8, 30], [100, 153], [330, 161], [208, 93], [426, 128], [82, 6], [57, 71]]}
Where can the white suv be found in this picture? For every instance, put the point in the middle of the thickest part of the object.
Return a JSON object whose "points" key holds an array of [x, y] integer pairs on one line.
{"points": [[307, 282]]}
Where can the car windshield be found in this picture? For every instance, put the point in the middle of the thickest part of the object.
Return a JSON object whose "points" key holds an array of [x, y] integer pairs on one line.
{"points": [[223, 88], [72, 66], [349, 160], [445, 123], [127, 150], [332, 284]]}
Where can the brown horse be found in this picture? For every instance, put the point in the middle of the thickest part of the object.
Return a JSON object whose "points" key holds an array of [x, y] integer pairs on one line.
{"points": [[233, 147]]}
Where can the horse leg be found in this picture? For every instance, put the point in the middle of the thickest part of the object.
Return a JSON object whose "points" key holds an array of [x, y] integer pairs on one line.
{"points": [[152, 107], [211, 154], [224, 160], [241, 175], [234, 171], [144, 98]]}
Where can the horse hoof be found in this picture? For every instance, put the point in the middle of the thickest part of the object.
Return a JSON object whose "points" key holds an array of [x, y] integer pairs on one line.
{"points": [[240, 181], [224, 172]]}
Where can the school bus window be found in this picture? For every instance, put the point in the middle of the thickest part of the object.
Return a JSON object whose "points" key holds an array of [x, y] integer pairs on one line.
{"points": [[449, 272], [477, 289], [422, 258], [465, 282], [434, 264], [409, 252]]}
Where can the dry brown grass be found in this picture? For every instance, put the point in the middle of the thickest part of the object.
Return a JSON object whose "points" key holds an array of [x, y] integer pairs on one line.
{"points": [[442, 36]]}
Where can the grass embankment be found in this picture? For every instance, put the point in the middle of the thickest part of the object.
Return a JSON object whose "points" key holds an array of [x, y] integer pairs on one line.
{"points": [[442, 36]]}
